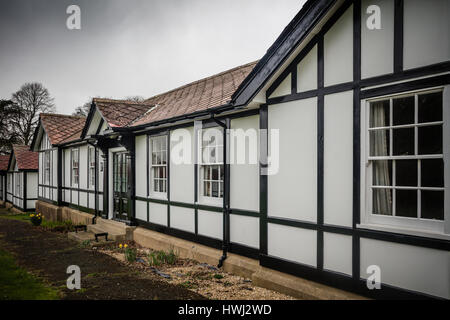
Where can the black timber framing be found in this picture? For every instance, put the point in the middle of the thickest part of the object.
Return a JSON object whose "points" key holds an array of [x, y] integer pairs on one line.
{"points": [[361, 90]]}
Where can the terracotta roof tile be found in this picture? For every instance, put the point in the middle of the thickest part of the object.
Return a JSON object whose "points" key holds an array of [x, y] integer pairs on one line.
{"points": [[4, 161], [62, 128], [121, 113], [200, 95], [25, 158]]}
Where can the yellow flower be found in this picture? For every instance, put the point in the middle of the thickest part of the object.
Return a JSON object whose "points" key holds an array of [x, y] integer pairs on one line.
{"points": [[125, 245], [120, 246], [31, 215]]}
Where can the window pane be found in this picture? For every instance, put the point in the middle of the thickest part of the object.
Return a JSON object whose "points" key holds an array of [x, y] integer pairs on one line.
{"points": [[430, 140], [212, 153], [379, 114], [406, 203], [221, 189], [382, 201], [379, 143], [219, 152], [403, 142], [207, 173], [215, 173], [161, 185], [406, 173], [221, 173], [432, 173], [403, 111], [215, 189], [432, 204], [205, 155], [430, 107], [207, 189], [382, 173]]}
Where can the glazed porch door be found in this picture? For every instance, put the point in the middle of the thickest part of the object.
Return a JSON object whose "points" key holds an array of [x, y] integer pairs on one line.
{"points": [[121, 203]]}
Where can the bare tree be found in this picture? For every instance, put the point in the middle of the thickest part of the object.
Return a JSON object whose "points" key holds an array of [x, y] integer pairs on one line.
{"points": [[83, 110], [32, 99], [135, 98], [8, 136]]}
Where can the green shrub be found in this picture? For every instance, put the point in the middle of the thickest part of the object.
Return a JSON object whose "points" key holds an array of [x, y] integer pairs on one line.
{"points": [[218, 276]]}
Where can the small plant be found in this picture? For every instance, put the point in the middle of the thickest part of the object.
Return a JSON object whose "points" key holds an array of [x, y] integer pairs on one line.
{"points": [[156, 258], [85, 243], [152, 259], [218, 276], [129, 253], [36, 219]]}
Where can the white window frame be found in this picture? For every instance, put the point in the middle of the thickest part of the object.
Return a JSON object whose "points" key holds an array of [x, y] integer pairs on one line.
{"points": [[18, 185], [405, 225], [91, 168], [47, 169], [208, 165], [156, 166], [72, 176]]}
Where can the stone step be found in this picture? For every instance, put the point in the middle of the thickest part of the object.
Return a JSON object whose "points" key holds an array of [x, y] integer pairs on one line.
{"points": [[115, 227], [88, 238], [112, 234]]}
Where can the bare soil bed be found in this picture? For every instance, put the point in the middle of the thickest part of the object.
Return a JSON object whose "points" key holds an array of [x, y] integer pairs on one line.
{"points": [[48, 254], [198, 277]]}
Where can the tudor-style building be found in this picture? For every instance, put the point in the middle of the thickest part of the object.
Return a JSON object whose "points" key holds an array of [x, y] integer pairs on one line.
{"points": [[4, 160], [358, 118], [21, 178]]}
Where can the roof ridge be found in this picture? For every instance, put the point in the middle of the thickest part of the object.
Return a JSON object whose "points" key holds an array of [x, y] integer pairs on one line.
{"points": [[61, 115], [204, 79], [143, 103]]}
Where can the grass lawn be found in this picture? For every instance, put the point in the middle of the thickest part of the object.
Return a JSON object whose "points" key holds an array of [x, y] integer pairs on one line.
{"points": [[48, 225], [18, 284]]}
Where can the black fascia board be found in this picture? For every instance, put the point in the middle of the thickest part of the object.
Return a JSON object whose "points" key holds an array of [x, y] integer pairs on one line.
{"points": [[295, 32]]}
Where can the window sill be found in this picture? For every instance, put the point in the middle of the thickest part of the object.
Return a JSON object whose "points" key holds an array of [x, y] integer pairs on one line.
{"points": [[406, 231]]}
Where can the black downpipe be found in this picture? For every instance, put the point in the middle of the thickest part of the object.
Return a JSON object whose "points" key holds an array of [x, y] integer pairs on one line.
{"points": [[226, 202]]}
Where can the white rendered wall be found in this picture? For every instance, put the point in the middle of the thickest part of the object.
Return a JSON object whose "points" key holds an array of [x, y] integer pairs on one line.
{"points": [[244, 230], [338, 159], [337, 253], [32, 184], [294, 244], [338, 50], [244, 177], [284, 88], [426, 32], [377, 45], [182, 175], [210, 224], [182, 218], [307, 72], [141, 210], [141, 166], [158, 213], [419, 269], [292, 192]]}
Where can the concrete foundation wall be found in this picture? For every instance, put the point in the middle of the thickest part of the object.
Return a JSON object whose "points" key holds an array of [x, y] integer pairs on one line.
{"points": [[55, 213]]}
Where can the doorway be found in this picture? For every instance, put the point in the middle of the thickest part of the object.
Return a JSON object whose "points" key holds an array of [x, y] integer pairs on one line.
{"points": [[121, 201]]}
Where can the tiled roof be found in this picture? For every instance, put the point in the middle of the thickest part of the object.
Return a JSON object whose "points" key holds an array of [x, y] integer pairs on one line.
{"points": [[25, 158], [4, 161], [121, 113], [62, 128], [200, 95]]}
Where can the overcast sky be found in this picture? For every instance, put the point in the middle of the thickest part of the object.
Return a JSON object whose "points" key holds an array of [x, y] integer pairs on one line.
{"points": [[131, 47]]}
